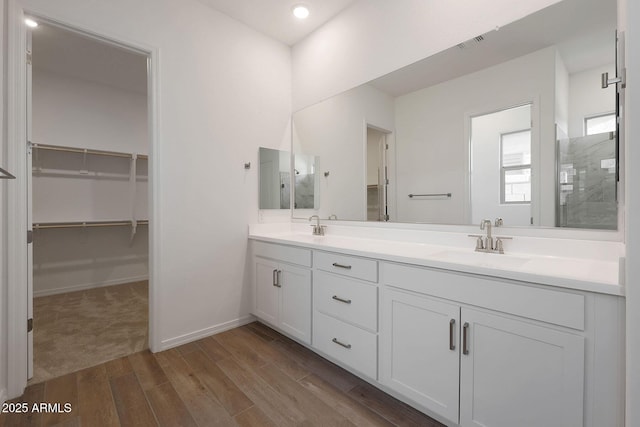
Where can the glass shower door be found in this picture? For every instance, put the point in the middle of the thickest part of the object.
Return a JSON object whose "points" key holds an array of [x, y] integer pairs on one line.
{"points": [[587, 182]]}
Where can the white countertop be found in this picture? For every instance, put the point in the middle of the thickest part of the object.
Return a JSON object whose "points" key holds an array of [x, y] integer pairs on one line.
{"points": [[592, 274]]}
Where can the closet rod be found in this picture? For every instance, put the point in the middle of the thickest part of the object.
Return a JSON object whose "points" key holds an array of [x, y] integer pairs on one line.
{"points": [[6, 174], [87, 151], [42, 226]]}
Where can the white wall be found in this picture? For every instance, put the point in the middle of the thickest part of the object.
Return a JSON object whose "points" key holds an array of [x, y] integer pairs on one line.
{"points": [[3, 219], [224, 89], [587, 98], [335, 131], [374, 37], [79, 113], [631, 26], [67, 260], [562, 94], [432, 142]]}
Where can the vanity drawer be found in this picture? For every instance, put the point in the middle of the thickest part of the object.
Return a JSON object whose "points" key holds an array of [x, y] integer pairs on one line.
{"points": [[346, 299], [290, 254], [346, 265], [346, 343]]}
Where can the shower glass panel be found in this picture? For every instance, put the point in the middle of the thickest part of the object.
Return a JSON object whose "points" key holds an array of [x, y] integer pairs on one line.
{"points": [[587, 182]]}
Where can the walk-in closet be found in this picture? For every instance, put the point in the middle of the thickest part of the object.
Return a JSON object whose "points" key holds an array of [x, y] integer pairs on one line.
{"points": [[89, 200]]}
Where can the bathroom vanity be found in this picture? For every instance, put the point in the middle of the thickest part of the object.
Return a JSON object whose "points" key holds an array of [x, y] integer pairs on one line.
{"points": [[472, 339]]}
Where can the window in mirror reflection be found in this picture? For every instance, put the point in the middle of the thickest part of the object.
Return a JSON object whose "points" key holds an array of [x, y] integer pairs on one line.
{"points": [[600, 124], [516, 167]]}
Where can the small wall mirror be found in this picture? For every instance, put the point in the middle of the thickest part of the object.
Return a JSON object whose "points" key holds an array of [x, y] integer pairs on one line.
{"points": [[275, 179], [306, 181]]}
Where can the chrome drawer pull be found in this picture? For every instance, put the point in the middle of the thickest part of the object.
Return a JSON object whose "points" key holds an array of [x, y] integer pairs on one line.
{"points": [[337, 298], [335, 264], [452, 345], [276, 278], [347, 346], [465, 328]]}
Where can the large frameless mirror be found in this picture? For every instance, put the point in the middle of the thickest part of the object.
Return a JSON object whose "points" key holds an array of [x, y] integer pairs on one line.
{"points": [[513, 123]]}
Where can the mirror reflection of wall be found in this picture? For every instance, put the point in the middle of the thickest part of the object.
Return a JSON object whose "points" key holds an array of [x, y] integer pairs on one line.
{"points": [[275, 179], [550, 60]]}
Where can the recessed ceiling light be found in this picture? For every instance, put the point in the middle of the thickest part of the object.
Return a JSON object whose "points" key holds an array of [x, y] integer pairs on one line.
{"points": [[30, 23], [300, 11]]}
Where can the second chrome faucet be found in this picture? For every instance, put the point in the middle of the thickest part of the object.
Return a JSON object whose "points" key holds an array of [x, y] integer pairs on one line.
{"points": [[486, 243], [318, 230]]}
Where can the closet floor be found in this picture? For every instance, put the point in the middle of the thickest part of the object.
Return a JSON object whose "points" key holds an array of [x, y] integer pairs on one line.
{"points": [[80, 329]]}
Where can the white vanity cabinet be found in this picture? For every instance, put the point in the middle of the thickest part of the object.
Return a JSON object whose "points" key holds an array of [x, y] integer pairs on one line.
{"points": [[420, 351], [282, 288], [468, 349], [513, 373], [475, 366]]}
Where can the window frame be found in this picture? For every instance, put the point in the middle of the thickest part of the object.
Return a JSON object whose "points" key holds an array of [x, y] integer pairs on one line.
{"points": [[597, 116], [504, 169]]}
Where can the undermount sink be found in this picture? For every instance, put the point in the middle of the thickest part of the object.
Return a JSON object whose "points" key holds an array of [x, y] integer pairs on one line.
{"points": [[481, 259]]}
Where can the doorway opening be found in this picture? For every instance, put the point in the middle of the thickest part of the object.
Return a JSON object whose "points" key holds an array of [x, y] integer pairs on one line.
{"points": [[88, 192], [501, 166], [377, 183]]}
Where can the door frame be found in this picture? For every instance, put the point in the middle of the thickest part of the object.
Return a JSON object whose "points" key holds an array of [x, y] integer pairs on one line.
{"points": [[494, 107], [17, 194], [387, 160]]}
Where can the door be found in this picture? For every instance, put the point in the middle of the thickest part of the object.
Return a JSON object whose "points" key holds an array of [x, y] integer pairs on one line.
{"points": [[519, 374], [266, 304], [377, 175], [501, 166], [295, 302], [420, 353]]}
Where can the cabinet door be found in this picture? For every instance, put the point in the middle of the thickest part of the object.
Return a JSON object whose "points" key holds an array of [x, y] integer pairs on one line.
{"points": [[295, 308], [419, 350], [518, 374], [266, 294]]}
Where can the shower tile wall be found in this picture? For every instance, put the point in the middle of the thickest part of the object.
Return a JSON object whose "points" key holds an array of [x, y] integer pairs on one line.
{"points": [[304, 194], [285, 190], [587, 182]]}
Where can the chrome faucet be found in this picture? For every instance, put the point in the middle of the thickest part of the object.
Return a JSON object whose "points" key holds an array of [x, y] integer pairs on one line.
{"points": [[486, 243], [318, 230]]}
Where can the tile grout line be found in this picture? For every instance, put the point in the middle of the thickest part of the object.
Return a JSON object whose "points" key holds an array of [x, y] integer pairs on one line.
{"points": [[144, 393], [211, 395]]}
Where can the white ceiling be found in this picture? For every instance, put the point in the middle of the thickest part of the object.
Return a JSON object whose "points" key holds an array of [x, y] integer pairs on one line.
{"points": [[274, 17], [582, 29]]}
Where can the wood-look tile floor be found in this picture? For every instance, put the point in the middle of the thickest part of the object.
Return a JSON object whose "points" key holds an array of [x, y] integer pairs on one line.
{"points": [[248, 376]]}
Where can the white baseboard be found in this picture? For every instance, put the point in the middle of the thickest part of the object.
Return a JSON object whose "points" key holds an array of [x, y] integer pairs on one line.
{"points": [[206, 332], [82, 287]]}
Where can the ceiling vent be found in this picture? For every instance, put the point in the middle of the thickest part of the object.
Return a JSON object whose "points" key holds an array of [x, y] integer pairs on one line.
{"points": [[471, 42]]}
